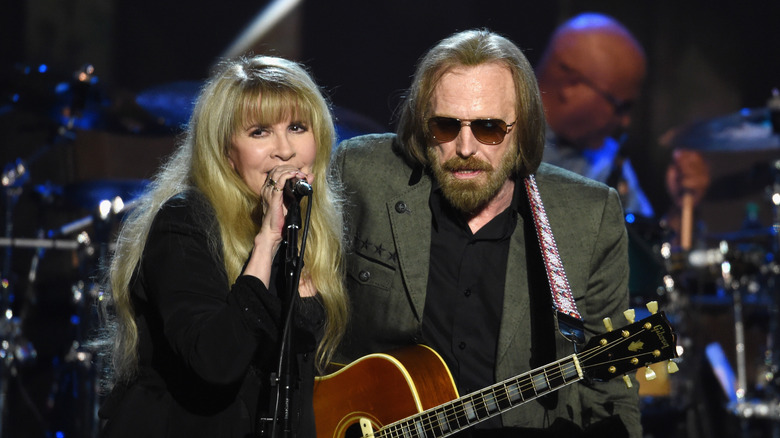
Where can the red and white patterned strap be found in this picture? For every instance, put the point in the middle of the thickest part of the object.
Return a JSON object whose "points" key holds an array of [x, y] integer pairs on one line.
{"points": [[556, 276]]}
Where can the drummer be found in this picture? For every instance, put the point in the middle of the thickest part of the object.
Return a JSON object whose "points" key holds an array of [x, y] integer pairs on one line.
{"points": [[590, 76]]}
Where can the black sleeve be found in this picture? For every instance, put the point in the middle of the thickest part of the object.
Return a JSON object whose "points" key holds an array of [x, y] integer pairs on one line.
{"points": [[214, 328]]}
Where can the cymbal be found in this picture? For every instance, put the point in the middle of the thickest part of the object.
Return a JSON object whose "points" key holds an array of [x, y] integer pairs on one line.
{"points": [[753, 180], [171, 103], [746, 234], [745, 130]]}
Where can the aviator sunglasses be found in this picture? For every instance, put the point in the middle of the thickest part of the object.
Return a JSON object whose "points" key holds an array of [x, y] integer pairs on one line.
{"points": [[486, 131]]}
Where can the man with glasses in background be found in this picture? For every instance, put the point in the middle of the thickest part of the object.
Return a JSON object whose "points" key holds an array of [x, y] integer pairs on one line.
{"points": [[445, 219], [590, 75]]}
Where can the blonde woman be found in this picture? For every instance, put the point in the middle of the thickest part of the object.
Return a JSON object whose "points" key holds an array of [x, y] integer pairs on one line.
{"points": [[196, 283]]}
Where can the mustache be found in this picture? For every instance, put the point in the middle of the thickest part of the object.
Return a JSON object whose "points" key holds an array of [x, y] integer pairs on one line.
{"points": [[456, 164]]}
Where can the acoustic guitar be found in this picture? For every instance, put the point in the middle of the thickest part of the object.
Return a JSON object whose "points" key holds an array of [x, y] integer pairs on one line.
{"points": [[410, 393]]}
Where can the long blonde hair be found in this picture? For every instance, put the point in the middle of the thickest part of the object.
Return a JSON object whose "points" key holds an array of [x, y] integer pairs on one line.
{"points": [[263, 90]]}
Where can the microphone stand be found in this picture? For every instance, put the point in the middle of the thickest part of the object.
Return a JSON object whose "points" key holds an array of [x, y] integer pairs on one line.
{"points": [[292, 271]]}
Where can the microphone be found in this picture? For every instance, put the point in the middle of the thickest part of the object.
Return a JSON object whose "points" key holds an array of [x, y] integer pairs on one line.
{"points": [[297, 187]]}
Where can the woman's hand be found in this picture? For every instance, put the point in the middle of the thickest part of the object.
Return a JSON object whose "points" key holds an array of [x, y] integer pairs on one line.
{"points": [[268, 240], [272, 198]]}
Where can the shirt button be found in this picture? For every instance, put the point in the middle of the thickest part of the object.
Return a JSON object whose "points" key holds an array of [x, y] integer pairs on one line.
{"points": [[467, 292], [400, 207], [462, 345], [364, 276]]}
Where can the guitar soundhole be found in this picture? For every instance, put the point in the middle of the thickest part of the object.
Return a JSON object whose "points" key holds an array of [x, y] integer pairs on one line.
{"points": [[353, 431]]}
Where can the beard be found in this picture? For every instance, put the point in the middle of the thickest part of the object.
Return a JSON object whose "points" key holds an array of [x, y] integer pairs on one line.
{"points": [[471, 195]]}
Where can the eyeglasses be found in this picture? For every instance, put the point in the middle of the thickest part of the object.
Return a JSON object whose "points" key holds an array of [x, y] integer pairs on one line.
{"points": [[620, 106], [486, 131]]}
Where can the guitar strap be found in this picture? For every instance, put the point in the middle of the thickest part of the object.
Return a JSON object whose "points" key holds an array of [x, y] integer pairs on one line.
{"points": [[567, 316]]}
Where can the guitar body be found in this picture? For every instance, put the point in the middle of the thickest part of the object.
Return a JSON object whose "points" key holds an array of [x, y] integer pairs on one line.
{"points": [[382, 388], [410, 392]]}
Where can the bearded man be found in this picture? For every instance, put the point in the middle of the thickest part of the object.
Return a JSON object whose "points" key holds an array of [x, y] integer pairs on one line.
{"points": [[445, 249]]}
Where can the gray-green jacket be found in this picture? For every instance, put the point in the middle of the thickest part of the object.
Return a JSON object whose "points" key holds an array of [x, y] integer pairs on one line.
{"points": [[388, 222]]}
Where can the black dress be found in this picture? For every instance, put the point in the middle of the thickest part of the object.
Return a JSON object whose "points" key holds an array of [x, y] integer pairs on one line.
{"points": [[206, 351]]}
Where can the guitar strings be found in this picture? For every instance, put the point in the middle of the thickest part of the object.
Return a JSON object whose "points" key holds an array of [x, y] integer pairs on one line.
{"points": [[454, 411], [468, 407]]}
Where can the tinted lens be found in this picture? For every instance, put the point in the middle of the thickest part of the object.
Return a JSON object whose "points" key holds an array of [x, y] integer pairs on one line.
{"points": [[487, 131], [444, 129]]}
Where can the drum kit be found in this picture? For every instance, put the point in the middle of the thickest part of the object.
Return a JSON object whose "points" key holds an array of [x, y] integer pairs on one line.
{"points": [[719, 280], [49, 373]]}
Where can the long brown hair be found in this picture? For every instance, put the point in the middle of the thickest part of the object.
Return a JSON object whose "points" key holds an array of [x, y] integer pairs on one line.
{"points": [[472, 48]]}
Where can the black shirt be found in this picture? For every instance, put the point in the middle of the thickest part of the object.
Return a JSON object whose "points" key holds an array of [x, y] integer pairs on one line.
{"points": [[465, 295]]}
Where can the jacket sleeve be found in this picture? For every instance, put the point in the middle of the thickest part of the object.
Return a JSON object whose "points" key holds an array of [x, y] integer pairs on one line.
{"points": [[607, 296]]}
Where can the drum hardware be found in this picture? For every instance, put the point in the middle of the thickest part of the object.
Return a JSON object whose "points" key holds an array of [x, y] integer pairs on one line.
{"points": [[75, 383], [14, 176], [765, 405], [81, 366], [669, 399], [744, 271], [716, 276], [74, 106], [15, 350], [739, 265], [747, 129], [744, 274], [74, 392]]}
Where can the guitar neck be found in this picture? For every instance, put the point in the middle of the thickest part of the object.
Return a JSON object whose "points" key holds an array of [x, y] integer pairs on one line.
{"points": [[454, 416]]}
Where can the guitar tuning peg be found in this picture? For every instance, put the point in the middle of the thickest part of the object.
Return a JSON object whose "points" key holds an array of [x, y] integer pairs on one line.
{"points": [[652, 306], [608, 323], [630, 315], [671, 367], [627, 381], [649, 374]]}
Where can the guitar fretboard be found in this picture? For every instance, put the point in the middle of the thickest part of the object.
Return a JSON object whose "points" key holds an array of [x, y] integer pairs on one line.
{"points": [[473, 408]]}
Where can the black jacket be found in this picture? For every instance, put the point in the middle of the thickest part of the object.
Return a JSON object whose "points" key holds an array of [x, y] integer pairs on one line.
{"points": [[206, 350]]}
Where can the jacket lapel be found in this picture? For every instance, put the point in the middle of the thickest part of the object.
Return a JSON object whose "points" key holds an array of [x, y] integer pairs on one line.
{"points": [[516, 298], [410, 221]]}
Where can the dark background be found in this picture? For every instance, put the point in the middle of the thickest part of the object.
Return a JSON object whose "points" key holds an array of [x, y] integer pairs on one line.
{"points": [[707, 61]]}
